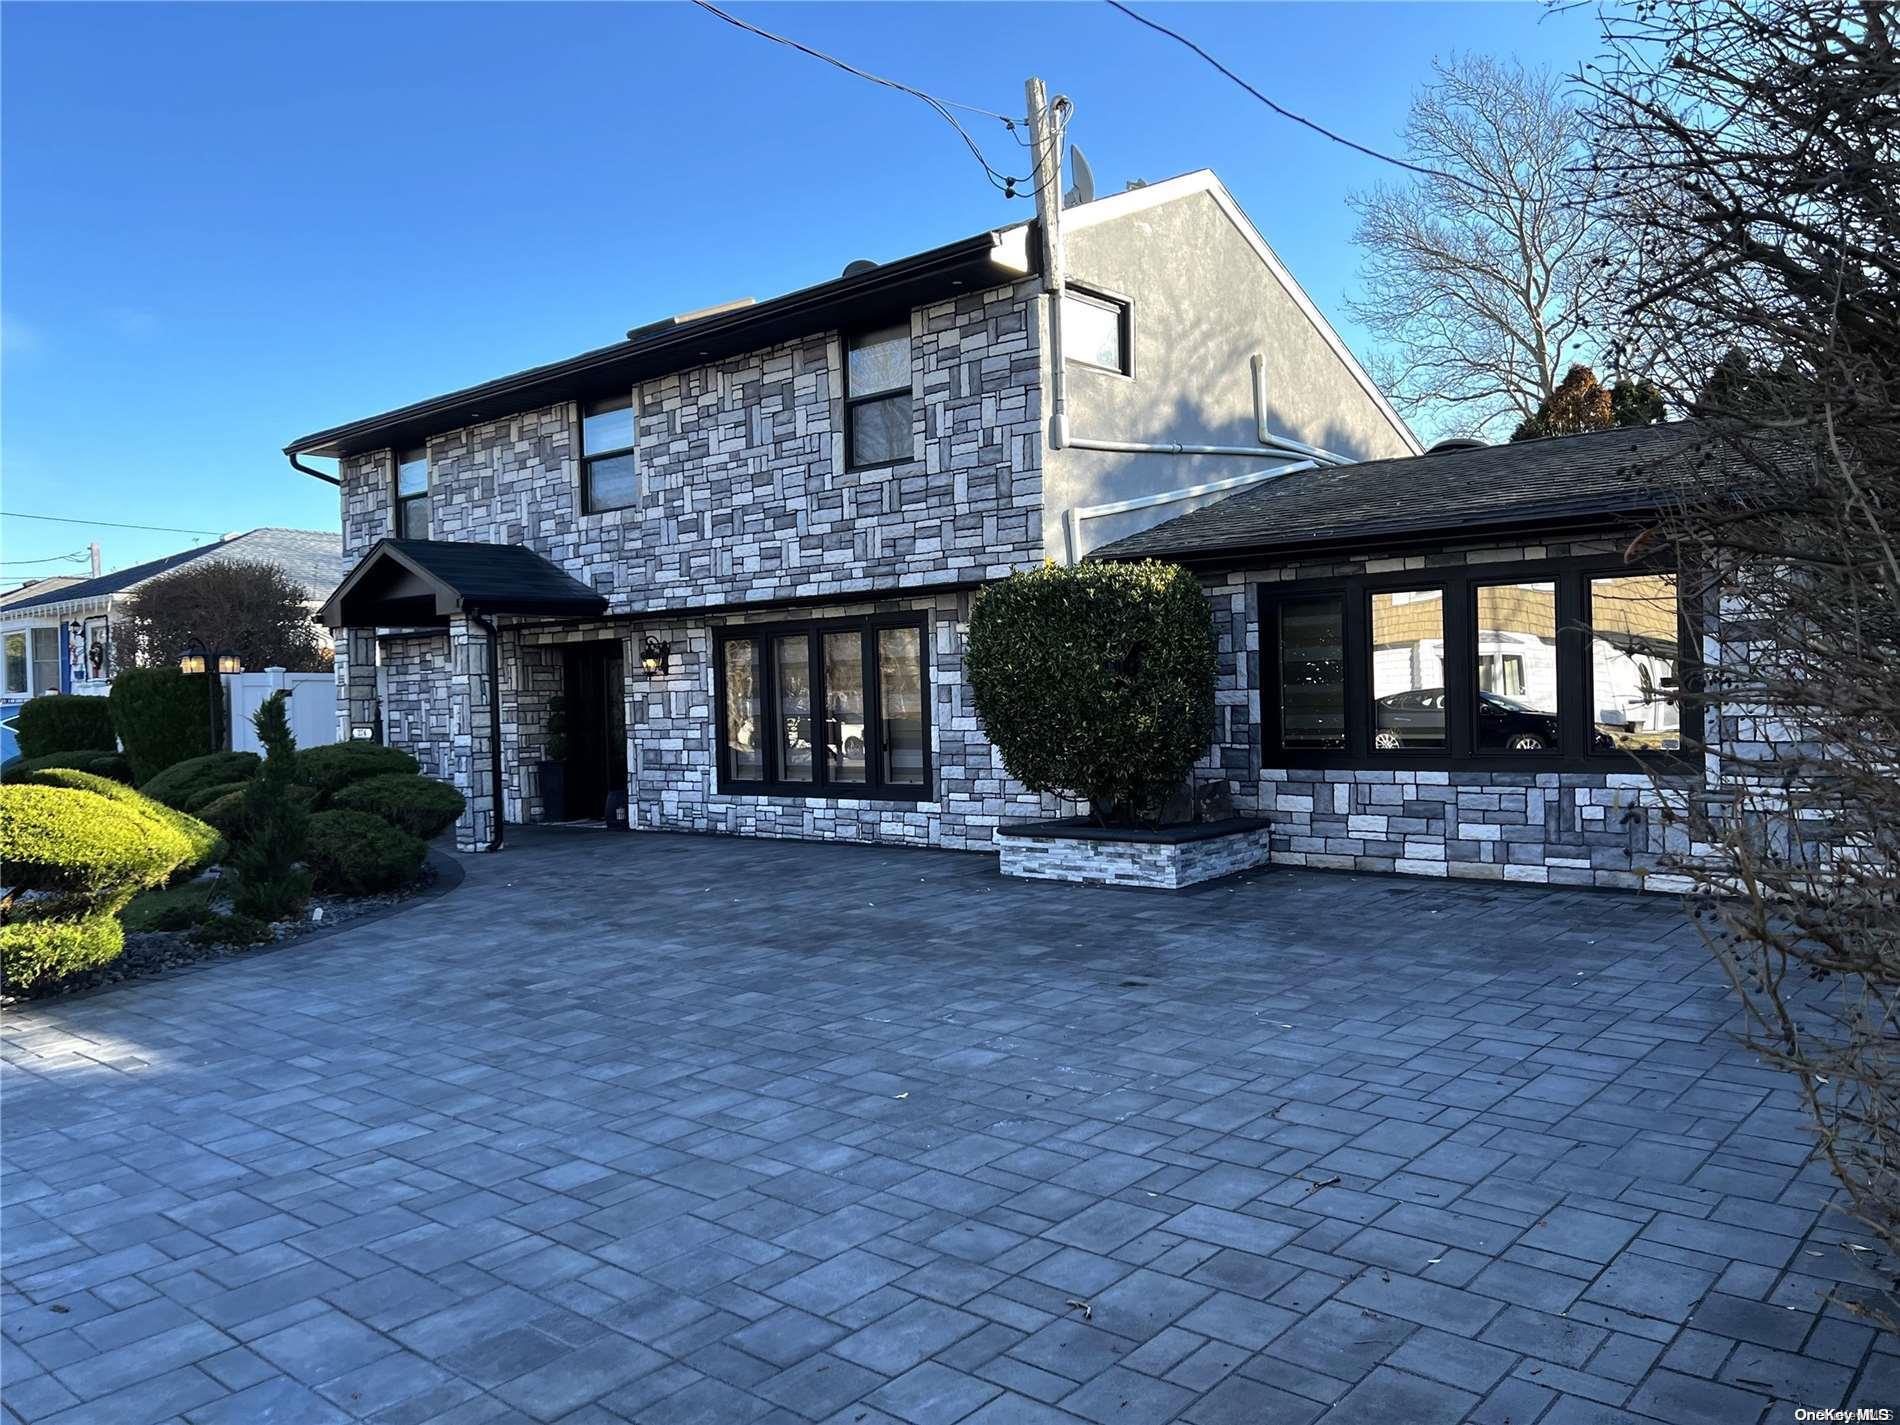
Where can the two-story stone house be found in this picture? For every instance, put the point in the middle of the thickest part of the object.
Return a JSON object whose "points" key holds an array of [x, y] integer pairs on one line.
{"points": [[741, 545]]}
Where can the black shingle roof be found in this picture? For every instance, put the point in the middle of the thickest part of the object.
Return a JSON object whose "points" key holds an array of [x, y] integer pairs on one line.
{"points": [[314, 558], [1558, 480], [430, 579]]}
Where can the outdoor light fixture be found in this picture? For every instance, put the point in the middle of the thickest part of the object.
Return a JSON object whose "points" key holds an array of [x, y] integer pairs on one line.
{"points": [[229, 662], [192, 660], [654, 654], [196, 658]]}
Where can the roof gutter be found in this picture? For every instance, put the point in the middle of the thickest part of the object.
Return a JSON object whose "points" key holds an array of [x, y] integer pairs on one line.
{"points": [[302, 469]]}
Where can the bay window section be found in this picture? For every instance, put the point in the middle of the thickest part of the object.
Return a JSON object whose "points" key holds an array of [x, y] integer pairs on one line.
{"points": [[1408, 669], [1573, 664], [1516, 657], [1635, 677], [846, 702]]}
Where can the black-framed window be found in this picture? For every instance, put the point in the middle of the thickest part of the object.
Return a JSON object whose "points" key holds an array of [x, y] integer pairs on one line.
{"points": [[1096, 331], [610, 476], [832, 708], [412, 494], [877, 398], [1559, 664]]}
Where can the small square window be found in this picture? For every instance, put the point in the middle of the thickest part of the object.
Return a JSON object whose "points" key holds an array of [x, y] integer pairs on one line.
{"points": [[1095, 331]]}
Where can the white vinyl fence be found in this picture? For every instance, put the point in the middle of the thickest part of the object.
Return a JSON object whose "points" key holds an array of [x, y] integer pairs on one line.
{"points": [[312, 706]]}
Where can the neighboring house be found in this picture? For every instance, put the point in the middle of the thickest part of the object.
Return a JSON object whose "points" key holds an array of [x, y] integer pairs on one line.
{"points": [[1450, 665], [743, 543], [56, 635]]}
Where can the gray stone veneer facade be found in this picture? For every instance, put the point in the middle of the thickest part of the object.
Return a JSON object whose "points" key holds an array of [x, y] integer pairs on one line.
{"points": [[1593, 828], [1147, 865]]}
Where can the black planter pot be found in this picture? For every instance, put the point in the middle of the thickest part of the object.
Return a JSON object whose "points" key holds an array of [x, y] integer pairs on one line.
{"points": [[553, 790]]}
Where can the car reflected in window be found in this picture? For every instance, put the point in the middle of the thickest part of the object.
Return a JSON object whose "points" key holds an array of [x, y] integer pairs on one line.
{"points": [[1416, 719]]}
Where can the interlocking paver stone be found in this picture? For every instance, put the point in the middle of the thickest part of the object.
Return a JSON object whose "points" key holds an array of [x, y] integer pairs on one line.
{"points": [[690, 1129]]}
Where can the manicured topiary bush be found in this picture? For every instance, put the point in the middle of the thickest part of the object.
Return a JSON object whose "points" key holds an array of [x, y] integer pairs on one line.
{"points": [[421, 806], [100, 764], [162, 717], [354, 853], [205, 843], [225, 811], [64, 722], [268, 852], [198, 800], [73, 859], [331, 768], [1096, 680], [183, 783]]}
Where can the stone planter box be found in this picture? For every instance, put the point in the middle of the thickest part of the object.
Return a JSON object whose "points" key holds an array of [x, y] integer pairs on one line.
{"points": [[1166, 859]]}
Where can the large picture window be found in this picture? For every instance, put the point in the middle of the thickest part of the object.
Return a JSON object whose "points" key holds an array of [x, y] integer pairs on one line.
{"points": [[836, 708], [1575, 663], [877, 398]]}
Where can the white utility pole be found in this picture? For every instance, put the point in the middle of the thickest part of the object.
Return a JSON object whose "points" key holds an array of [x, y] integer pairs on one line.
{"points": [[1045, 146], [93, 550]]}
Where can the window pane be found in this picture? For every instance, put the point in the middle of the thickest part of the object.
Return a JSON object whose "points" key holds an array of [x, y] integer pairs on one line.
{"points": [[844, 706], [744, 753], [412, 473], [880, 431], [412, 518], [1517, 667], [1408, 669], [16, 662], [1634, 669], [1313, 673], [612, 482], [1092, 332], [608, 425], [794, 708], [879, 361], [900, 688], [45, 660]]}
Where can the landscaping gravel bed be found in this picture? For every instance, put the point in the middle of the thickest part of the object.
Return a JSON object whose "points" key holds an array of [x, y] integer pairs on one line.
{"points": [[154, 952]]}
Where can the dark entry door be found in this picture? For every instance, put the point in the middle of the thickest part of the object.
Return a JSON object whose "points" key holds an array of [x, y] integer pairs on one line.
{"points": [[596, 728]]}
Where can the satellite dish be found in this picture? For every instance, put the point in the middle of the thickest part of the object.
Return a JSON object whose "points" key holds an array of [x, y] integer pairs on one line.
{"points": [[1083, 178], [859, 267]]}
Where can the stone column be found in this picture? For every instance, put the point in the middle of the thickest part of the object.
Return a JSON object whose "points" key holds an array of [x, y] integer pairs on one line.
{"points": [[472, 746], [356, 684]]}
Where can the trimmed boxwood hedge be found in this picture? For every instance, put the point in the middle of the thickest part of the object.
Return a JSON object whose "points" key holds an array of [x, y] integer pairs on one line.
{"points": [[100, 764], [354, 853], [1096, 680], [421, 806], [162, 716], [336, 765], [74, 858], [225, 811], [64, 722], [183, 783], [205, 843]]}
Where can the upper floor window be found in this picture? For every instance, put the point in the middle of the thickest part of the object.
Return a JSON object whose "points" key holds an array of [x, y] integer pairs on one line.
{"points": [[877, 398], [1095, 331], [610, 477], [1566, 663], [412, 494]]}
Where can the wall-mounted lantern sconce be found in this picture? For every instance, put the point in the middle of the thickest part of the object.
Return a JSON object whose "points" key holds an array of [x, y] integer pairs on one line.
{"points": [[654, 655]]}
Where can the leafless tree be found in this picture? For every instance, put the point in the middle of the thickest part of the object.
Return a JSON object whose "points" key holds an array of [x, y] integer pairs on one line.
{"points": [[1485, 283], [1756, 144], [251, 607]]}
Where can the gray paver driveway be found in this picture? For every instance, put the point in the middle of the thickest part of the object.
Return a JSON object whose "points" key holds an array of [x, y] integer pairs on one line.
{"points": [[676, 1129]]}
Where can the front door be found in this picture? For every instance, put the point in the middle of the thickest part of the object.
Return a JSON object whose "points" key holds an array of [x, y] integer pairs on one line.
{"points": [[596, 727]]}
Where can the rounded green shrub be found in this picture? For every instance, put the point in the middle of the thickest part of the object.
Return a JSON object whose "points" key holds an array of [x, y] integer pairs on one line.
{"points": [[206, 796], [183, 783], [64, 722], [35, 950], [353, 853], [100, 764], [1096, 680], [225, 811], [419, 805], [205, 843], [162, 717], [336, 765]]}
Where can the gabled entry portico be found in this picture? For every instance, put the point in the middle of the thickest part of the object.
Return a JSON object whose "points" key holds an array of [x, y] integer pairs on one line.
{"points": [[435, 586]]}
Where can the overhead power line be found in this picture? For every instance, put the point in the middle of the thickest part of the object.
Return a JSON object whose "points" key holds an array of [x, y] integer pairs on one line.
{"points": [[105, 524], [1010, 184], [1287, 113], [77, 556]]}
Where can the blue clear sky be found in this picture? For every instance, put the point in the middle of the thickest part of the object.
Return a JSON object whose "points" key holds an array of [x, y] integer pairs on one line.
{"points": [[227, 225]]}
